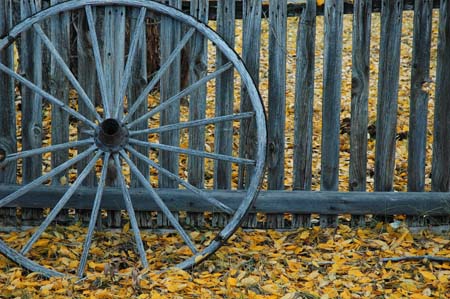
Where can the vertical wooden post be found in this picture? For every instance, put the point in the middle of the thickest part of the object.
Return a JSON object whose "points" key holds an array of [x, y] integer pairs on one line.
{"points": [[420, 72], [331, 108], [8, 114], [277, 98], [251, 44], [59, 87], [223, 137], [391, 27], [31, 65], [137, 83], [198, 68], [113, 67], [441, 140], [304, 103]]}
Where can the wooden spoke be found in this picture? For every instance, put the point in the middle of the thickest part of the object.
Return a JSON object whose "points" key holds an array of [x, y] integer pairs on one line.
{"points": [[45, 95], [159, 202], [94, 215], [203, 195], [130, 210], [13, 196], [131, 54], [194, 123], [192, 152], [143, 96], [181, 94], [98, 62], [47, 149], [61, 203], [65, 68]]}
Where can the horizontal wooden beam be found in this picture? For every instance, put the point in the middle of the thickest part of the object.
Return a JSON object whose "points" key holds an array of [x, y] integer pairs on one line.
{"points": [[297, 202]]}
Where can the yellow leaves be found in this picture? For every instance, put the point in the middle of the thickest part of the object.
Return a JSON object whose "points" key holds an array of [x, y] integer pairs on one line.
{"points": [[249, 281], [126, 227], [427, 276]]}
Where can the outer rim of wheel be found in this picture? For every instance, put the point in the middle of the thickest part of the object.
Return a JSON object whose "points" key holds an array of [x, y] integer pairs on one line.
{"points": [[232, 56]]}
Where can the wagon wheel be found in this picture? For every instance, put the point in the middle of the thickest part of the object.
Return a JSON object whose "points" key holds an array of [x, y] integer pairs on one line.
{"points": [[113, 136]]}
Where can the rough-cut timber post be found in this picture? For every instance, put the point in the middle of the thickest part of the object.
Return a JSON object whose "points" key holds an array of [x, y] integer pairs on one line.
{"points": [[420, 72], [8, 114], [223, 137], [31, 65], [391, 27], [304, 101], [360, 94], [441, 140], [198, 68], [251, 44], [332, 69]]}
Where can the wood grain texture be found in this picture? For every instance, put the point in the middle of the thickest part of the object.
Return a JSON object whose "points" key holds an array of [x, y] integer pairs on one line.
{"points": [[388, 81], [251, 46], [277, 94], [362, 18], [441, 142], [273, 201], [170, 85], [30, 64], [8, 113], [331, 103], [420, 75], [198, 67], [223, 134], [304, 97]]}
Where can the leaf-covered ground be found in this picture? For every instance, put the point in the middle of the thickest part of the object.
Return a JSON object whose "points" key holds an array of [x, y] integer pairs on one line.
{"points": [[307, 263]]}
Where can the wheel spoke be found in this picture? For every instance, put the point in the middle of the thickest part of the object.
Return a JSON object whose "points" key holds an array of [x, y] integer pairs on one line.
{"points": [[131, 54], [65, 68], [202, 194], [51, 148], [159, 202], [98, 62], [45, 94], [194, 123], [192, 152], [61, 203], [130, 210], [13, 196], [181, 94], [143, 96], [94, 215]]}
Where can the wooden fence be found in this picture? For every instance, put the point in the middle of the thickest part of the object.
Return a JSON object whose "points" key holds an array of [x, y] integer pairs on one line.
{"points": [[275, 207]]}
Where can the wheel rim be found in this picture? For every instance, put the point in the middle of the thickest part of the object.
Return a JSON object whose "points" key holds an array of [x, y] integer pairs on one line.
{"points": [[113, 136]]}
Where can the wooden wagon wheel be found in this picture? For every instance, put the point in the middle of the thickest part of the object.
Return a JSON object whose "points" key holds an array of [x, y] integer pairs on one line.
{"points": [[112, 137]]}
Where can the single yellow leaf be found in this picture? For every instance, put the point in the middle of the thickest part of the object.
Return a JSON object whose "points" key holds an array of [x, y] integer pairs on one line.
{"points": [[126, 227], [428, 276], [249, 281], [175, 287]]}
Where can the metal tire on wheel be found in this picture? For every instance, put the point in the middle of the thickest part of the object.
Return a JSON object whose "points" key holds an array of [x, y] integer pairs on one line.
{"points": [[114, 130]]}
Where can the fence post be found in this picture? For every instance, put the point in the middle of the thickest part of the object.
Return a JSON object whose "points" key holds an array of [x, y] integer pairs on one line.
{"points": [[8, 114]]}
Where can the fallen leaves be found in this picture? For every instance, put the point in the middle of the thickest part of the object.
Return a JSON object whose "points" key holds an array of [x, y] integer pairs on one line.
{"points": [[306, 263]]}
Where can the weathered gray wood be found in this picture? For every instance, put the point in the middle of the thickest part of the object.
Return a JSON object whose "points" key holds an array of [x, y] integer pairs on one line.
{"points": [[300, 202], [332, 68], [223, 134], [331, 103], [420, 72], [277, 94], [304, 97], [87, 76], [8, 113], [31, 62], [170, 84], [198, 68], [441, 142], [59, 86], [251, 44], [138, 81], [360, 94], [388, 81]]}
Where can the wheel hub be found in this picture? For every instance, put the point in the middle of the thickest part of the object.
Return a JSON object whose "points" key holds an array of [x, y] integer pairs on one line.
{"points": [[111, 135]]}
